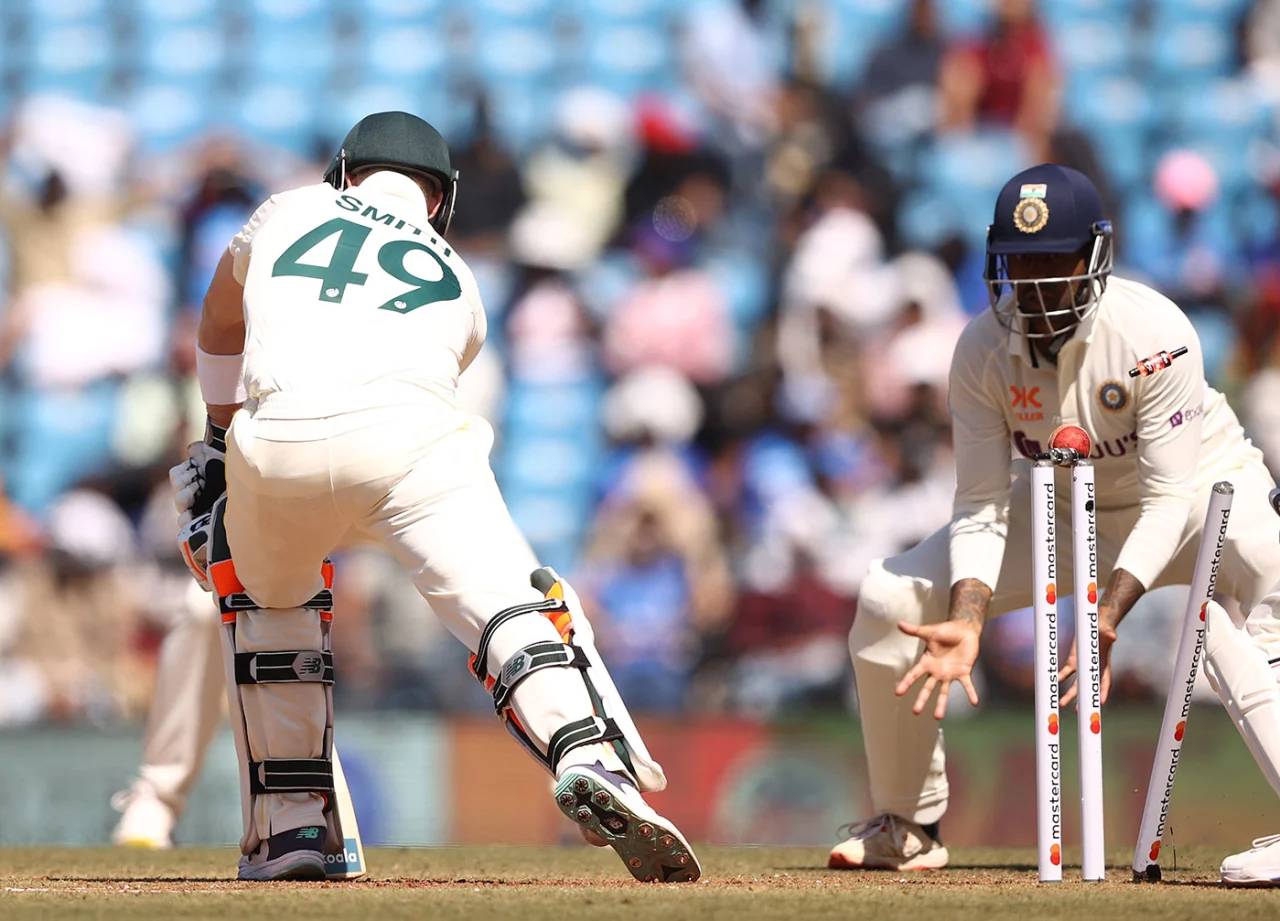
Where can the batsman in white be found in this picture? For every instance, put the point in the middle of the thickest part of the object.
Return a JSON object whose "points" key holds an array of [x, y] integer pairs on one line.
{"points": [[1057, 346], [330, 345]]}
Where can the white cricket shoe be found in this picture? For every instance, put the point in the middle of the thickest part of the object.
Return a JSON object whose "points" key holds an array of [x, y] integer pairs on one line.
{"points": [[888, 842], [145, 822], [1258, 866], [297, 854], [610, 810]]}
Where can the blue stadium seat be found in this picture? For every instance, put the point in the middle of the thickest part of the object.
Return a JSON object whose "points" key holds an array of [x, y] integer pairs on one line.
{"points": [[273, 14], [1095, 46], [515, 55], [72, 59], [44, 13], [553, 409], [548, 518], [926, 219], [628, 60], [1190, 50], [969, 170], [394, 52], [651, 13], [963, 17], [1059, 12], [1229, 110], [400, 12], [745, 282], [1222, 12], [343, 110], [193, 57], [60, 437], [166, 14], [1119, 115], [277, 114], [297, 56], [520, 114], [546, 463], [165, 115], [846, 42]]}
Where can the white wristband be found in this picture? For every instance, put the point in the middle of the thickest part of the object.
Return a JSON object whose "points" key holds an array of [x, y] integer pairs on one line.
{"points": [[221, 378]]}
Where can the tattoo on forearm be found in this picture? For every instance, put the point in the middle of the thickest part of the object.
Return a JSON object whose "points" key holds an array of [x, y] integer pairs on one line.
{"points": [[969, 600], [1123, 590]]}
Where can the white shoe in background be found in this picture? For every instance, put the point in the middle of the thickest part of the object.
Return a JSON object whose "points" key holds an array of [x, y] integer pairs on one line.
{"points": [[1258, 866], [146, 821], [888, 842]]}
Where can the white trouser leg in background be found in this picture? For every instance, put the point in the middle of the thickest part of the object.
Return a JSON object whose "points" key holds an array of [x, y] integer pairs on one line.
{"points": [[186, 707]]}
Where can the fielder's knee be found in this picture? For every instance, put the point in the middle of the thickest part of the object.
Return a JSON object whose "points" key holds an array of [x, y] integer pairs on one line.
{"points": [[883, 600]]}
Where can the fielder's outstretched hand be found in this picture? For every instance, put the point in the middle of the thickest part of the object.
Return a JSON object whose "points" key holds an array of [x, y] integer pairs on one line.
{"points": [[951, 649], [1105, 639]]}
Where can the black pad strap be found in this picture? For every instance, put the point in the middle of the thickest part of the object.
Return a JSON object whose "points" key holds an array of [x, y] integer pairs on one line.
{"points": [[240, 601], [478, 667], [573, 735], [535, 656], [291, 775], [300, 665]]}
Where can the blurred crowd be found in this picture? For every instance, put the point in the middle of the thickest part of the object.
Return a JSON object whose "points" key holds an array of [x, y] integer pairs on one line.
{"points": [[726, 248]]}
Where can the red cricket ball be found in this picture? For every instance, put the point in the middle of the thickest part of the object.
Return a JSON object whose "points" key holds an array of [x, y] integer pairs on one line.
{"points": [[1073, 437]]}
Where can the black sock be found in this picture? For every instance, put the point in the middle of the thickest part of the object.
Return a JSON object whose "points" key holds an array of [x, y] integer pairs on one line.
{"points": [[932, 831]]}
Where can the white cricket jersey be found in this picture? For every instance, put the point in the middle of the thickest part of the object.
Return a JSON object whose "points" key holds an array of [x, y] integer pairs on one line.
{"points": [[352, 300], [1157, 440]]}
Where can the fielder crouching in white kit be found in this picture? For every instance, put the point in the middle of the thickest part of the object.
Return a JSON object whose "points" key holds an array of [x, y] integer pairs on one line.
{"points": [[1056, 348], [341, 318]]}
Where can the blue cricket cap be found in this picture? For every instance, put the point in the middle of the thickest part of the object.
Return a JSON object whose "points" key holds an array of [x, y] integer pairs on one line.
{"points": [[1045, 209]]}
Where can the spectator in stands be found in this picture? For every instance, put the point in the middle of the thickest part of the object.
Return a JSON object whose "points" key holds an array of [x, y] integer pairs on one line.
{"points": [[1006, 77], [898, 95], [654, 581], [582, 172], [677, 316], [731, 67], [493, 189], [72, 637]]}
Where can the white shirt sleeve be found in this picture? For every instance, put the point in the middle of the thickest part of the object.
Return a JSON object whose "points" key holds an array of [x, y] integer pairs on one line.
{"points": [[1168, 457], [980, 516], [479, 321], [241, 244]]}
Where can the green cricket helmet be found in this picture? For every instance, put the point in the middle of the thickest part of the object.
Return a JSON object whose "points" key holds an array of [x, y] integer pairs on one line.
{"points": [[401, 142]]}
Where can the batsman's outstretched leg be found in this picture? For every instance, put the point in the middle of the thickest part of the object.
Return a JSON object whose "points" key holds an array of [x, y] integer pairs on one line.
{"points": [[580, 730]]}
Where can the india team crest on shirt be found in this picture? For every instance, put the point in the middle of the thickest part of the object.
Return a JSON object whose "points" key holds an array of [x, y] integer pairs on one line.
{"points": [[1112, 396], [1031, 215]]}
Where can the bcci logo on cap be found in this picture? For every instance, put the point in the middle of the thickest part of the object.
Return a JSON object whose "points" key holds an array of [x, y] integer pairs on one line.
{"points": [[1031, 215]]}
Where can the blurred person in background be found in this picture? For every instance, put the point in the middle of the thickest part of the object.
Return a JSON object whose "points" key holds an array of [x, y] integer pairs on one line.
{"points": [[837, 289], [677, 316], [654, 580], [897, 99], [74, 628], [481, 229], [732, 68], [582, 172], [1007, 77]]}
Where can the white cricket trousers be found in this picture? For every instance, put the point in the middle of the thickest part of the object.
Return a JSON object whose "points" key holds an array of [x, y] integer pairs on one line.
{"points": [[186, 707], [416, 480], [905, 753]]}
